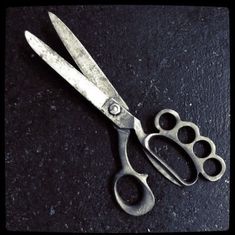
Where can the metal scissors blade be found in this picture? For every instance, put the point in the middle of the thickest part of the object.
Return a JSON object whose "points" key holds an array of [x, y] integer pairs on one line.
{"points": [[67, 71], [89, 90], [84, 60]]}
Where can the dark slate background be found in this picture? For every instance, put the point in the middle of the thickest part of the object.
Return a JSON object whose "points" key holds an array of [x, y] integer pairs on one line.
{"points": [[61, 153]]}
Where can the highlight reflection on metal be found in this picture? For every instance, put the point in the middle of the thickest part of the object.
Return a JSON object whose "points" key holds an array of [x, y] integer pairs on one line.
{"points": [[95, 86]]}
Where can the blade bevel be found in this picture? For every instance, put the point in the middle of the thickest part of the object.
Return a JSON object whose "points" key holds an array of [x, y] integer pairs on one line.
{"points": [[67, 71], [84, 60]]}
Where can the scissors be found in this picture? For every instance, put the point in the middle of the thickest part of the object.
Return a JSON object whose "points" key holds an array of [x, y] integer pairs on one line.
{"points": [[92, 83]]}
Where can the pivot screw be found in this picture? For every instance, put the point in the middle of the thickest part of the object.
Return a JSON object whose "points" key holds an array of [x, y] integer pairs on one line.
{"points": [[114, 109]]}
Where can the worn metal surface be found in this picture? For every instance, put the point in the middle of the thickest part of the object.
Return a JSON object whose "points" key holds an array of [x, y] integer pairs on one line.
{"points": [[198, 36]]}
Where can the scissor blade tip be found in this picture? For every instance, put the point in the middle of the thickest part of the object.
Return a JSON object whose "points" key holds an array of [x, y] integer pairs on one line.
{"points": [[27, 34], [52, 15]]}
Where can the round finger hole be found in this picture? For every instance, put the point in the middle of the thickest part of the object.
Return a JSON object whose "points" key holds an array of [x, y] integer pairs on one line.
{"points": [[167, 121], [202, 148], [212, 167], [129, 189], [186, 134]]}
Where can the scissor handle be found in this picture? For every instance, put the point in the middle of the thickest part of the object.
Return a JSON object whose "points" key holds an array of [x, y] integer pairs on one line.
{"points": [[188, 147], [147, 201]]}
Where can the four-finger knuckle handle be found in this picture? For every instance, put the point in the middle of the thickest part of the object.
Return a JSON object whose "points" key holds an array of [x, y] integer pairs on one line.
{"points": [[187, 135]]}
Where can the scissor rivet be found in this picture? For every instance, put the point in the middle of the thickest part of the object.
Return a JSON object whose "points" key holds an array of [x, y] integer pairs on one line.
{"points": [[114, 109]]}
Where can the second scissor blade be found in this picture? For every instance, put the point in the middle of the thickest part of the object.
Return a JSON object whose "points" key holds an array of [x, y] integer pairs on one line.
{"points": [[84, 60]]}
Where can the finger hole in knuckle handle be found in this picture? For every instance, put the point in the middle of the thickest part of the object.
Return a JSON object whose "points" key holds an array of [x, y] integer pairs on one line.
{"points": [[214, 168], [166, 119]]}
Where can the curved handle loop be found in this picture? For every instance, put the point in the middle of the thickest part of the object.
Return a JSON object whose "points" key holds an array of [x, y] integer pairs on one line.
{"points": [[147, 201], [216, 176], [163, 167]]}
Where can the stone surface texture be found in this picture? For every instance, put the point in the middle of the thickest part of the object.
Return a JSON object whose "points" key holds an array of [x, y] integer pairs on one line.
{"points": [[61, 153]]}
